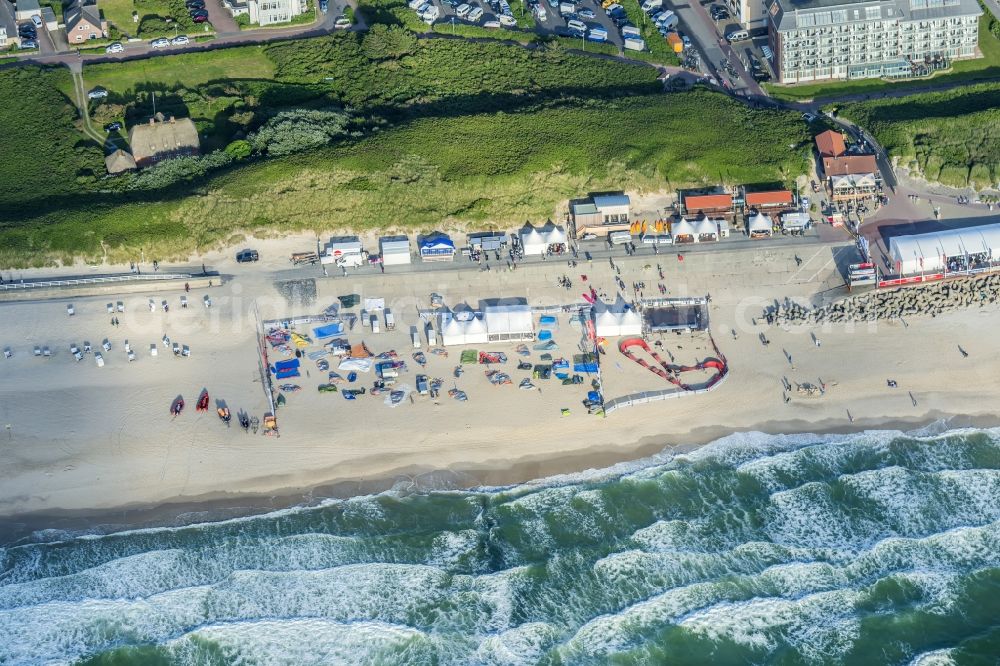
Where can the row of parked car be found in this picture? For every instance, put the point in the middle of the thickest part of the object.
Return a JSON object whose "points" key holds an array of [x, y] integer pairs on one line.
{"points": [[28, 32], [158, 43]]}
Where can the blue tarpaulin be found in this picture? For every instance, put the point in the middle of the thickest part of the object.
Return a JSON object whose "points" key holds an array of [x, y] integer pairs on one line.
{"points": [[544, 334], [547, 320], [329, 330], [290, 364]]}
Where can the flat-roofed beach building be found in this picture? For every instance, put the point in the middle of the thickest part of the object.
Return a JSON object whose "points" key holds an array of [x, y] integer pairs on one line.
{"points": [[815, 40]]}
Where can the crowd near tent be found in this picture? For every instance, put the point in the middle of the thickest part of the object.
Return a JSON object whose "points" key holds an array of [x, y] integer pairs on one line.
{"points": [[537, 240], [509, 322], [469, 330], [395, 250], [759, 225], [952, 249], [616, 320], [437, 247]]}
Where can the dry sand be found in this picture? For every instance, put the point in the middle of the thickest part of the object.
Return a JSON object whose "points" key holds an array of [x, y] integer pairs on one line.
{"points": [[89, 438]]}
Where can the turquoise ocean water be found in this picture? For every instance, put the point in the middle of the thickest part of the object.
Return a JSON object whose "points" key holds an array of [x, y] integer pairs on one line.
{"points": [[876, 548]]}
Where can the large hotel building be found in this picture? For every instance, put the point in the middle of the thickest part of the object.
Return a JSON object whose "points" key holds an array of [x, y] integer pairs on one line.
{"points": [[816, 40]]}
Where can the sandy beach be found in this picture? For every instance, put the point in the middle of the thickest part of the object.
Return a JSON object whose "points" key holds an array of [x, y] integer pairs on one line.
{"points": [[85, 439]]}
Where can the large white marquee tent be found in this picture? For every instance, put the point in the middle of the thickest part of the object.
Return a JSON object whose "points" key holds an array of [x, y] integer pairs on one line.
{"points": [[930, 252]]}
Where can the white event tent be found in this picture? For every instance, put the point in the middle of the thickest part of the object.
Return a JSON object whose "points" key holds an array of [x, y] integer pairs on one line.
{"points": [[930, 252]]}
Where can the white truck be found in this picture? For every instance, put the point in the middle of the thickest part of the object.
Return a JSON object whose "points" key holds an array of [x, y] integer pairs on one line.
{"points": [[567, 8], [631, 31], [619, 237], [390, 320], [375, 326], [431, 14]]}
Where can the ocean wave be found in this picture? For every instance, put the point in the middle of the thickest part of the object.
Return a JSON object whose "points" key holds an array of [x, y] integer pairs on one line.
{"points": [[755, 545]]}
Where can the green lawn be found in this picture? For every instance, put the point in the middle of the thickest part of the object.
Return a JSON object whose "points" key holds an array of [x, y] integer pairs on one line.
{"points": [[962, 71], [186, 70], [119, 12]]}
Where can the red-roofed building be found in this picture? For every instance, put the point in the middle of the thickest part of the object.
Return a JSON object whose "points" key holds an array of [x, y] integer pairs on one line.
{"points": [[830, 144], [708, 204], [775, 199]]}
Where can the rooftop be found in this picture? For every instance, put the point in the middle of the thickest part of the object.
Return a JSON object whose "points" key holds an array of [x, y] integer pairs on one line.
{"points": [[28, 6], [830, 144], [849, 164], [708, 202], [774, 198], [609, 200], [795, 14]]}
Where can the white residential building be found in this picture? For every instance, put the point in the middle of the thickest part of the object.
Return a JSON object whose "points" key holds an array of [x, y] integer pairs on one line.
{"points": [[270, 12], [749, 13], [817, 40], [8, 25]]}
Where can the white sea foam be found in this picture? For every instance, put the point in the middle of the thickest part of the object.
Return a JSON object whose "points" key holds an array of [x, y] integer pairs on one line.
{"points": [[449, 549], [934, 658], [520, 646], [302, 642], [821, 626]]}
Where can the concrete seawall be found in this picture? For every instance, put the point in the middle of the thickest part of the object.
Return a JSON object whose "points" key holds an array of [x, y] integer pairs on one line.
{"points": [[107, 288]]}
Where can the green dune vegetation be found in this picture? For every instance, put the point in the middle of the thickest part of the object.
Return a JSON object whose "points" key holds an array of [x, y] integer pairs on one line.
{"points": [[381, 131], [951, 137]]}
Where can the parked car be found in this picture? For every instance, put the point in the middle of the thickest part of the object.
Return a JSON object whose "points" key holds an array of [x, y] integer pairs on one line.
{"points": [[586, 13], [37, 20], [114, 47], [475, 14], [578, 28], [29, 44], [462, 10], [159, 43], [98, 93], [247, 256], [200, 18], [342, 22], [113, 127], [198, 12], [808, 117], [180, 40], [324, 6]]}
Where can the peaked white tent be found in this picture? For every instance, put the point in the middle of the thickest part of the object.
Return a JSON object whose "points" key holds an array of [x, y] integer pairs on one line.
{"points": [[458, 332], [616, 320], [759, 225], [706, 230], [535, 241], [683, 231]]}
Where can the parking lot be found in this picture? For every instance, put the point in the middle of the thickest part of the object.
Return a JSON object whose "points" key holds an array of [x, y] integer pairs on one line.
{"points": [[587, 21]]}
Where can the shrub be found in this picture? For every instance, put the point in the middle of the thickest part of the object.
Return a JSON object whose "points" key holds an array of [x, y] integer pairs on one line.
{"points": [[296, 131]]}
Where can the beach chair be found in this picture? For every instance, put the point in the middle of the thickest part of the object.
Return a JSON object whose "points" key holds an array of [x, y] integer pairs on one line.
{"points": [[111, 307], [177, 349], [207, 301], [131, 356], [7, 353], [46, 351], [184, 301], [185, 351], [99, 360], [106, 344], [121, 307], [38, 350], [152, 349], [69, 310], [166, 341], [86, 347], [128, 347]]}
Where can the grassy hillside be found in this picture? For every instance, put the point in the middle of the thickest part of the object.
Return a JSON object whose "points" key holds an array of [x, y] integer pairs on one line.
{"points": [[952, 137], [446, 133], [43, 153]]}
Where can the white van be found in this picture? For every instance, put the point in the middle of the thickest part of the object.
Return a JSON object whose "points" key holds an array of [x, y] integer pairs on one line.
{"points": [[375, 326], [631, 31], [650, 5], [432, 338], [619, 237], [578, 27], [462, 10], [474, 15], [567, 8], [415, 336], [737, 36]]}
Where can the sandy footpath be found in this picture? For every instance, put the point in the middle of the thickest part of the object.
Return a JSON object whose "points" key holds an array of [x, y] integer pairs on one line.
{"points": [[82, 437]]}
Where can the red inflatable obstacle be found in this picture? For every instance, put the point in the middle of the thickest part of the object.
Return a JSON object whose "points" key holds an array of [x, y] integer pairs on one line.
{"points": [[672, 372]]}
